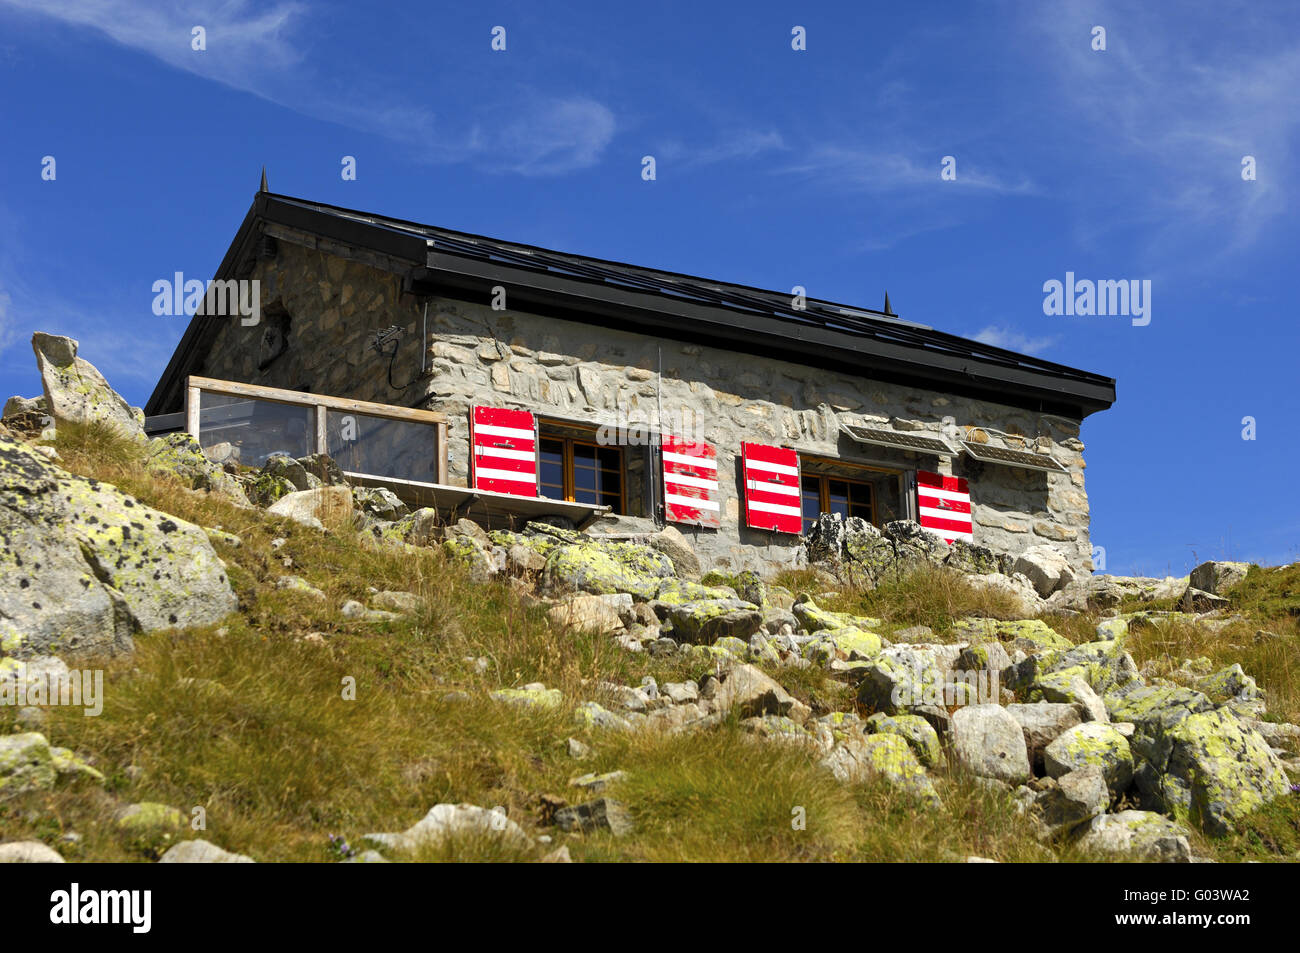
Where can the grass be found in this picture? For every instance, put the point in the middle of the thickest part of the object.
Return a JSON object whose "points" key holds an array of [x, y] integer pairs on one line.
{"points": [[249, 721], [933, 596]]}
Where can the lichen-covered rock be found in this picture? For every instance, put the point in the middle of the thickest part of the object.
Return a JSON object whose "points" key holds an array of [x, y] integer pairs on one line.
{"points": [[868, 557], [76, 392], [1031, 636], [470, 554], [264, 489], [1217, 771], [1228, 684], [674, 591], [858, 757], [1069, 688], [419, 528], [812, 618], [983, 656], [1155, 706], [83, 566], [990, 743], [604, 569], [26, 764], [594, 715], [180, 454], [1112, 629], [709, 620], [849, 643], [1075, 798], [1105, 665], [149, 817], [379, 503], [913, 729], [824, 542], [1092, 744], [905, 677], [913, 545], [967, 557], [282, 467], [751, 588], [321, 470], [1136, 835]]}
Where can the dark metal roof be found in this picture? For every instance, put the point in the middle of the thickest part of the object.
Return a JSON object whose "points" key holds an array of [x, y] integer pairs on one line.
{"points": [[860, 341]]}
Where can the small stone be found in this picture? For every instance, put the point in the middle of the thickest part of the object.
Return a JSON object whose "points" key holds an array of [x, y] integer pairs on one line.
{"points": [[28, 852], [201, 852], [604, 814]]}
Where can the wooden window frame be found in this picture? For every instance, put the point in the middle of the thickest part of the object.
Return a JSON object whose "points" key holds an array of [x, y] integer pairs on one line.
{"points": [[567, 467], [823, 489]]}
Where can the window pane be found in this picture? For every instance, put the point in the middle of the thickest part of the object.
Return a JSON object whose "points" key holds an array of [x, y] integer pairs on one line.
{"points": [[584, 455], [611, 458], [552, 451], [256, 429], [584, 478], [860, 500], [812, 501], [381, 446], [611, 485]]}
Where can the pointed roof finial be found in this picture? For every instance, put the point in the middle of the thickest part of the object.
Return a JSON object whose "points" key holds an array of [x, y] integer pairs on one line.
{"points": [[887, 309], [263, 187]]}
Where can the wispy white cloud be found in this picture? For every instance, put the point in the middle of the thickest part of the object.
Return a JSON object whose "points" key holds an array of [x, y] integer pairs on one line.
{"points": [[550, 136], [737, 144], [1176, 100], [247, 44], [264, 51], [869, 169], [1000, 335], [7, 332]]}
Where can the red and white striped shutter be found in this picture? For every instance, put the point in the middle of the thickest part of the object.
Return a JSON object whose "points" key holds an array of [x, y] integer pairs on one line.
{"points": [[772, 497], [943, 503], [505, 450], [691, 483]]}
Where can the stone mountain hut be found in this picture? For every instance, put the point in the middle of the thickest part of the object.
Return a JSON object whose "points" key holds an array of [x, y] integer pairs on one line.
{"points": [[507, 383]]}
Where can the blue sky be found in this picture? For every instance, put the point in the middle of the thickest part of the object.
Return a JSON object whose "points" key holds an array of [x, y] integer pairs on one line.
{"points": [[775, 168]]}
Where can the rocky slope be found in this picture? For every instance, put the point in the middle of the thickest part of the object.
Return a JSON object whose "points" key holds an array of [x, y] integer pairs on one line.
{"points": [[1032, 709]]}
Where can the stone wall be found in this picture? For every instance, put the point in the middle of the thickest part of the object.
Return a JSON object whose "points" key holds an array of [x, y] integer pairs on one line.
{"points": [[322, 303]]}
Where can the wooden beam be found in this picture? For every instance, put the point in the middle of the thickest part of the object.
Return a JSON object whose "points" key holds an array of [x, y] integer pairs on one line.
{"points": [[301, 398], [192, 410]]}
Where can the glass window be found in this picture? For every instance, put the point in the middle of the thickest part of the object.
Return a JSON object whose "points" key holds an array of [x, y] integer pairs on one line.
{"points": [[812, 501], [382, 446], [255, 429], [553, 469], [826, 494], [582, 472]]}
